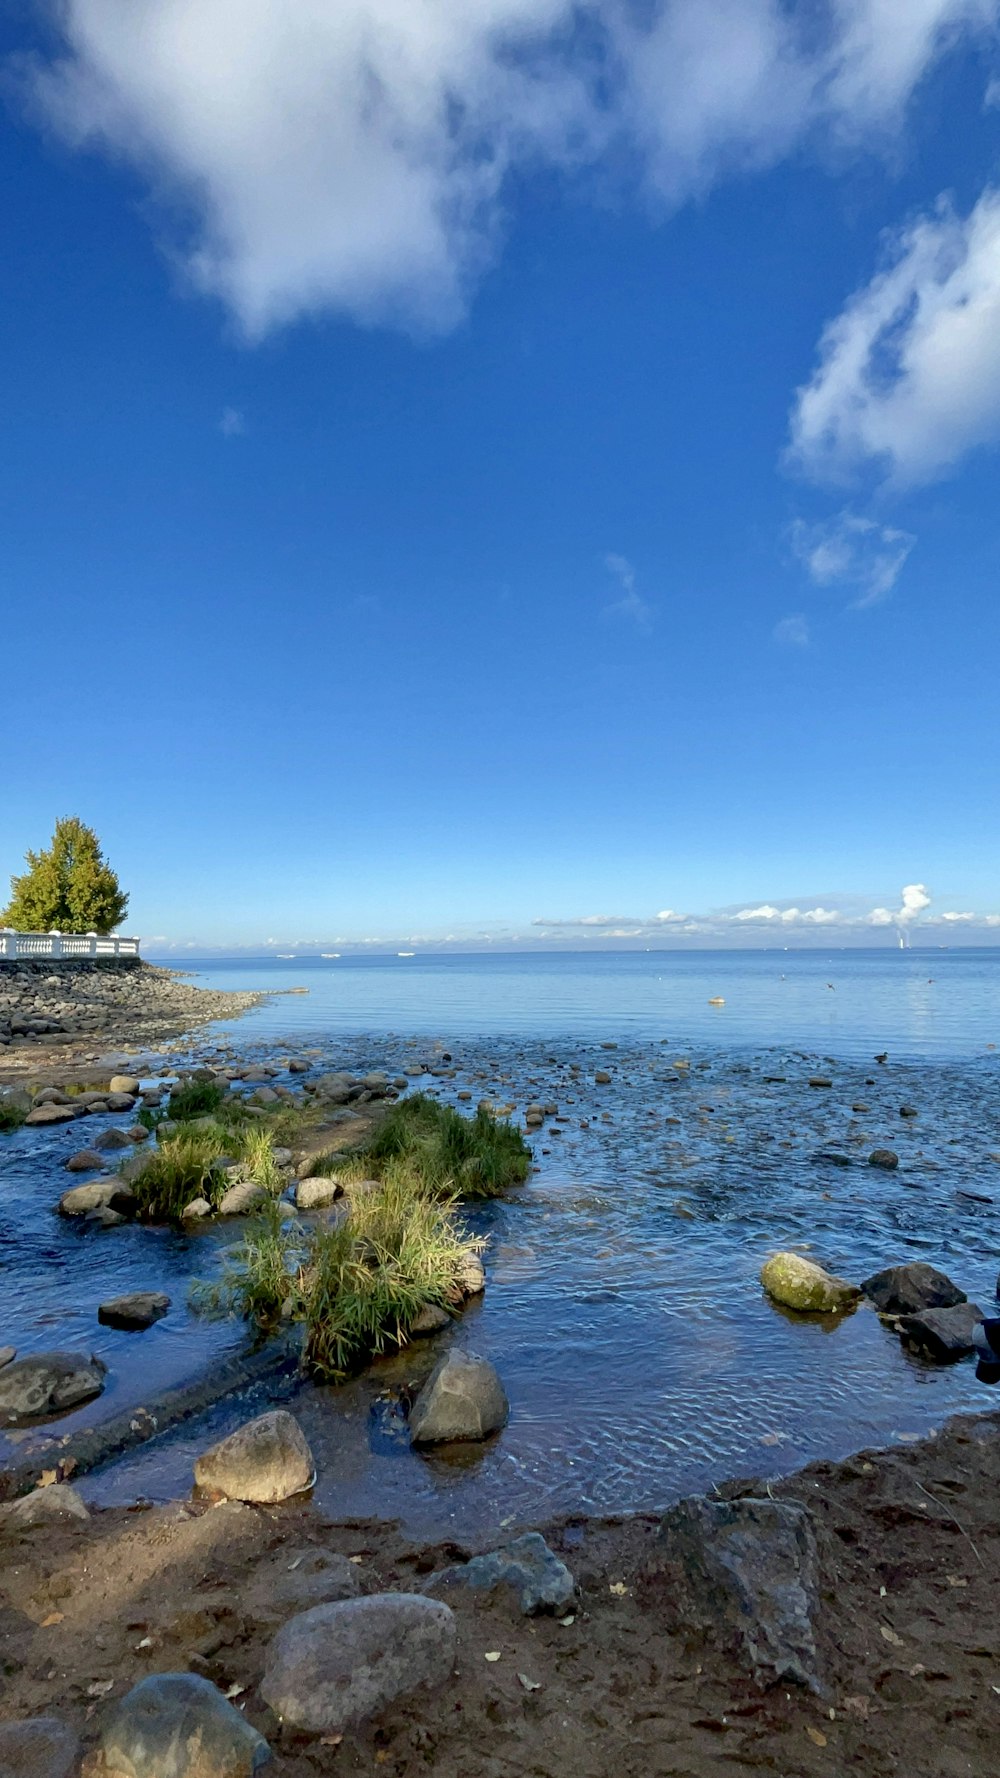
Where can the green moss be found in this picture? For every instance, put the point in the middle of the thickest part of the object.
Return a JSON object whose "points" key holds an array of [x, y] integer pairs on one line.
{"points": [[798, 1283]]}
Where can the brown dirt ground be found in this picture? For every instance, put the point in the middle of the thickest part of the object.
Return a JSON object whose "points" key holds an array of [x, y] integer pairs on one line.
{"points": [[910, 1555]]}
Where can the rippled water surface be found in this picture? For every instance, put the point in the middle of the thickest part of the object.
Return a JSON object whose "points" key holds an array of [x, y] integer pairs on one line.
{"points": [[623, 1307]]}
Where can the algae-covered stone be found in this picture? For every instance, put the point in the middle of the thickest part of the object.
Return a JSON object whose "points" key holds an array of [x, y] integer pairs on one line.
{"points": [[799, 1283]]}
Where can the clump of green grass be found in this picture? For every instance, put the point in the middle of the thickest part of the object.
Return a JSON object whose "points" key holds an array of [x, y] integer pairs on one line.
{"points": [[182, 1167], [12, 1115], [471, 1157], [359, 1284], [195, 1098], [256, 1151]]}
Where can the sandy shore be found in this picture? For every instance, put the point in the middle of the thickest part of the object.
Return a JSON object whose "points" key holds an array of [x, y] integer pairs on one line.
{"points": [[909, 1553]]}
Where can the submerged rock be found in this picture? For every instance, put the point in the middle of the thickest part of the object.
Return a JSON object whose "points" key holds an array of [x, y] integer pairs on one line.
{"points": [[48, 1383], [177, 1725], [264, 1461], [801, 1284], [138, 1310], [335, 1666], [905, 1290], [525, 1566], [40, 1747], [752, 1574], [883, 1157], [942, 1334], [463, 1399]]}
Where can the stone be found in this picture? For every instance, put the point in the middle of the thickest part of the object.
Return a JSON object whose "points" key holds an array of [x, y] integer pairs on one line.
{"points": [[51, 1114], [105, 1218], [751, 1570], [48, 1383], [96, 1195], [471, 1275], [298, 1067], [526, 1567], [241, 1198], [265, 1096], [336, 1666], [136, 1164], [137, 1133], [602, 1077], [316, 1194], [431, 1320], [42, 1507], [124, 1083], [113, 1139], [883, 1157], [52, 1096], [138, 1310], [908, 1289], [120, 1102], [908, 1111], [800, 1284], [942, 1334], [197, 1208], [819, 1080], [264, 1461], [178, 1725], [86, 1160], [40, 1747], [462, 1399], [7, 1355]]}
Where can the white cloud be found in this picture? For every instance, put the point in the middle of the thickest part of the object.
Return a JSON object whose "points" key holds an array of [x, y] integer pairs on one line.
{"points": [[232, 423], [669, 917], [958, 918], [630, 605], [909, 373], [790, 916], [915, 900], [991, 97], [351, 155], [792, 631], [855, 551]]}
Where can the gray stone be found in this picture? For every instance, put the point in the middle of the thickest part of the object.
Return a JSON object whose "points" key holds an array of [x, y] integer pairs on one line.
{"points": [[51, 1114], [431, 1320], [751, 1571], [120, 1102], [52, 1096], [42, 1507], [471, 1275], [462, 1399], [316, 1194], [7, 1355], [266, 1460], [137, 1133], [942, 1334], [265, 1096], [179, 1725], [602, 1077], [197, 1208], [525, 1566], [906, 1290], [97, 1194], [138, 1310], [335, 1666], [883, 1157], [48, 1383], [112, 1139], [124, 1083], [136, 1164], [86, 1160], [298, 1067], [40, 1747], [241, 1198], [105, 1218]]}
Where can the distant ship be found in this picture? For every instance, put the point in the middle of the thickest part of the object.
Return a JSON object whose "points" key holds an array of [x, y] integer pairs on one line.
{"points": [[329, 953], [285, 956], [406, 953]]}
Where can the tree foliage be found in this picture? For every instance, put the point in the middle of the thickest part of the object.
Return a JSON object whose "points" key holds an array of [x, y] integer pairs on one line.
{"points": [[69, 887]]}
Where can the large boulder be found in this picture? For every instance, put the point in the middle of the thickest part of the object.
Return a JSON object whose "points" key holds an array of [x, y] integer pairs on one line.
{"points": [[123, 1083], [51, 1114], [463, 1398], [112, 1139], [43, 1506], [40, 1747], [48, 1383], [317, 1194], [264, 1461], [749, 1569], [800, 1284], [906, 1290], [335, 1666], [97, 1194], [177, 1725], [942, 1334], [134, 1312], [525, 1567]]}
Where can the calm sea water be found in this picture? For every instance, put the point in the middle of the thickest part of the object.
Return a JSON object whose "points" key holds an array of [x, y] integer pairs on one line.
{"points": [[623, 1309]]}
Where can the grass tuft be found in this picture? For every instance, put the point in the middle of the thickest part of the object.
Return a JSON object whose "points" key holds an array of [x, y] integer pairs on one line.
{"points": [[469, 1157], [195, 1098], [12, 1115]]}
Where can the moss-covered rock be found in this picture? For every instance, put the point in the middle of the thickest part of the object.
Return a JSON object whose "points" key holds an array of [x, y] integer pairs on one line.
{"points": [[799, 1283]]}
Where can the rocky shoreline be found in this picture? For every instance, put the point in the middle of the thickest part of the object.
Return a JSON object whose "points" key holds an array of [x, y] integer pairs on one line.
{"points": [[54, 1013]]}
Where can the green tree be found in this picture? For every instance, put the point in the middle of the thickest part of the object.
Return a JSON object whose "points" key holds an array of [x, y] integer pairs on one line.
{"points": [[70, 887]]}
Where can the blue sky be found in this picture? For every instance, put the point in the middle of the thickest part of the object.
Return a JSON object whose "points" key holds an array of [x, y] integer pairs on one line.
{"points": [[506, 473]]}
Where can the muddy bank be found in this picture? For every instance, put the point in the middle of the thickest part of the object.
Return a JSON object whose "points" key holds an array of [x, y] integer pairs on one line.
{"points": [[908, 1554], [53, 1013]]}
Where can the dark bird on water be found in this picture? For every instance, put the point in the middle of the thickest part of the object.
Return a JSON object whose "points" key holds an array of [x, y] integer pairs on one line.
{"points": [[884, 1057]]}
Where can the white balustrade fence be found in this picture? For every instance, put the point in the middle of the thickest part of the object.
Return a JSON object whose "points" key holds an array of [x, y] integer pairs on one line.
{"points": [[57, 945]]}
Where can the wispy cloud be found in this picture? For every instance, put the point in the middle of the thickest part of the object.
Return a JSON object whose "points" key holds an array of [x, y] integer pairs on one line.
{"points": [[792, 631], [630, 605], [232, 423], [855, 552], [258, 117]]}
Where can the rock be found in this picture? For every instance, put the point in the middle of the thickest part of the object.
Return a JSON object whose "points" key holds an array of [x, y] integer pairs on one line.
{"points": [[298, 1067], [51, 1114], [42, 1507], [526, 1566], [883, 1157], [136, 1164], [241, 1198], [908, 1111], [282, 1156], [120, 1102], [316, 1194], [105, 1218], [197, 1208], [113, 1139], [431, 1320], [471, 1276], [96, 1195], [313, 1577], [52, 1096], [7, 1355], [335, 1666], [800, 1284], [602, 1078], [48, 1383], [942, 1334], [86, 1160], [265, 1096], [41, 1747], [124, 1083], [178, 1725], [819, 1080], [266, 1460], [135, 1311], [751, 1569], [137, 1133], [462, 1399], [908, 1289]]}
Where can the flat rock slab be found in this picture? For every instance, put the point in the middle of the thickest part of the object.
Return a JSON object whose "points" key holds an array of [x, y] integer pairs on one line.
{"points": [[751, 1572], [177, 1725], [265, 1461], [463, 1399], [41, 1747], [906, 1290], [338, 1665], [525, 1566], [48, 1383], [44, 1506], [134, 1312], [51, 1114], [942, 1334]]}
